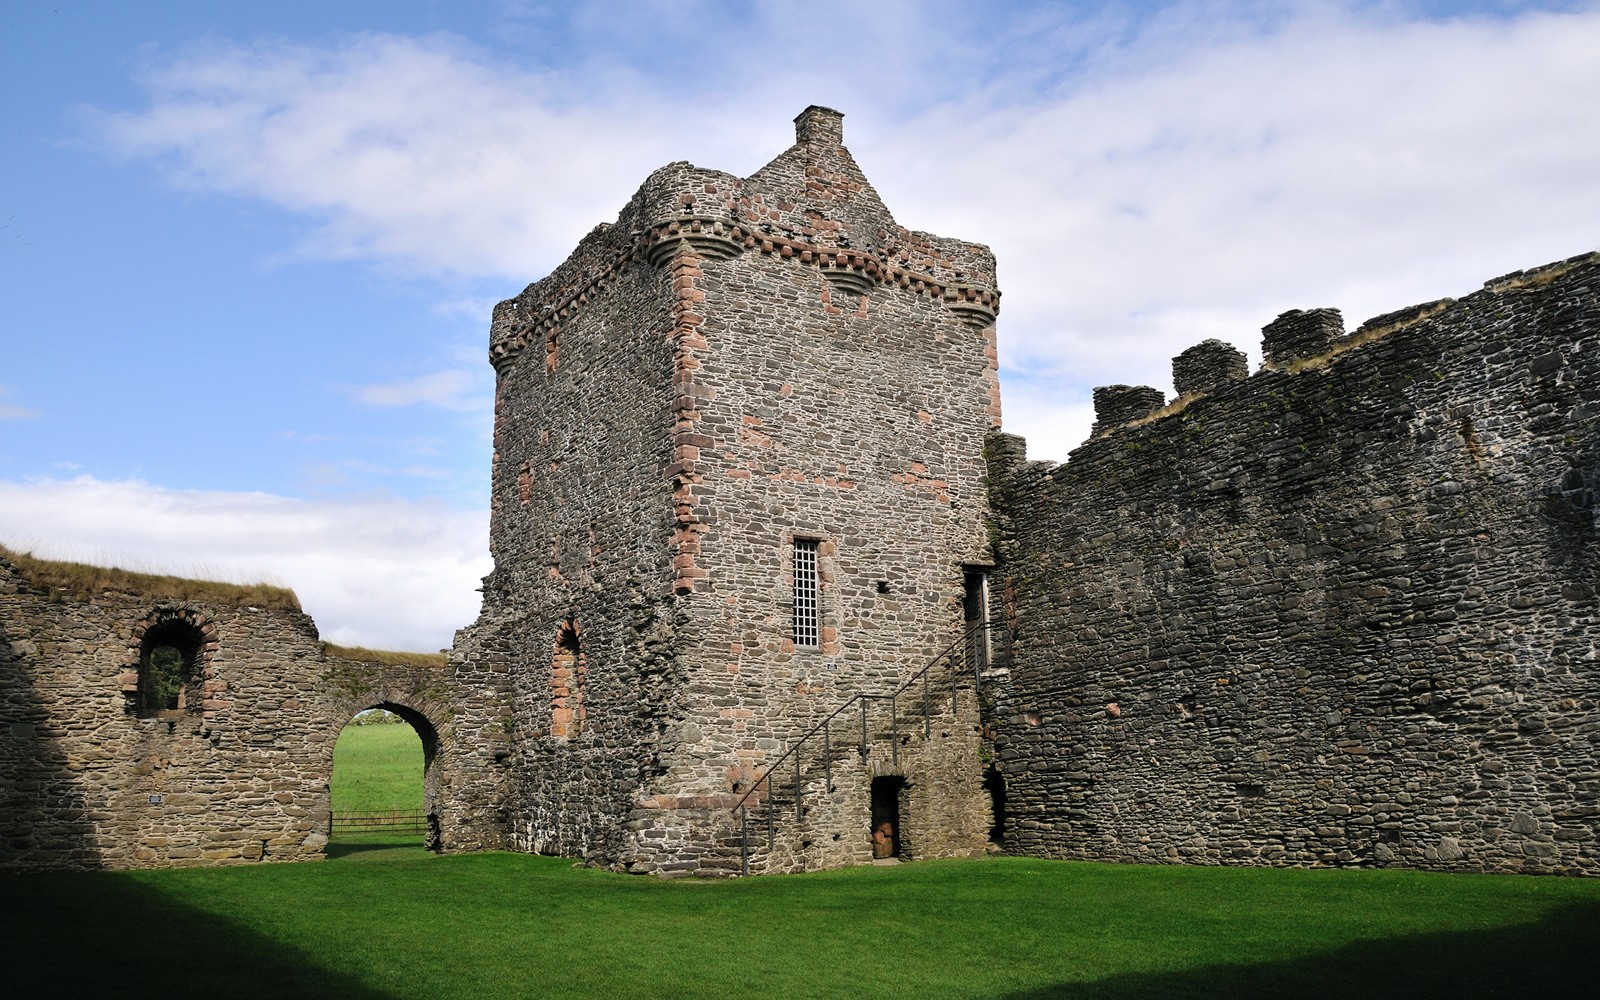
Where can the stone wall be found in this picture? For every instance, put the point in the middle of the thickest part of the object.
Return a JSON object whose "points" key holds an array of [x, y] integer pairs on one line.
{"points": [[1340, 612], [733, 365], [841, 393], [239, 773], [935, 762], [579, 613]]}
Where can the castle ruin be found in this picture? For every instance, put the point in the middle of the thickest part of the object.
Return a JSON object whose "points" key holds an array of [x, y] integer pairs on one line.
{"points": [[773, 592]]}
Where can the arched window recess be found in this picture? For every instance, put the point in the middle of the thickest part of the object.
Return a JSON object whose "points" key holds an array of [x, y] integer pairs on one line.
{"points": [[167, 679]]}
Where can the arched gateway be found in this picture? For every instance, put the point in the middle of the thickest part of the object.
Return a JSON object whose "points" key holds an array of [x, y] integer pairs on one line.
{"points": [[156, 722], [400, 690]]}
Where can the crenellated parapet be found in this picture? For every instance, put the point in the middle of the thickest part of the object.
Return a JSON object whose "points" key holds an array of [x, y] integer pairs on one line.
{"points": [[1340, 612], [1300, 334], [1115, 405], [1208, 366], [1297, 341], [811, 206]]}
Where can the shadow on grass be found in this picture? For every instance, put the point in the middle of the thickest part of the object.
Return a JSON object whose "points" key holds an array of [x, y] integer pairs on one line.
{"points": [[376, 848], [1554, 957], [83, 934]]}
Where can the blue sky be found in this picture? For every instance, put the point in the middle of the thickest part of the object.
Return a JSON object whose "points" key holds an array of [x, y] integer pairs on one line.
{"points": [[248, 250]]}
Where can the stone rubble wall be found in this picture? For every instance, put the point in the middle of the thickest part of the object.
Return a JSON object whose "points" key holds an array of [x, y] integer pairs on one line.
{"points": [[732, 364], [85, 782], [1342, 612], [580, 530]]}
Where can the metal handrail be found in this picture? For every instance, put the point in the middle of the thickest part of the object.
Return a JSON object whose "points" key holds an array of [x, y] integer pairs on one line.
{"points": [[961, 643]]}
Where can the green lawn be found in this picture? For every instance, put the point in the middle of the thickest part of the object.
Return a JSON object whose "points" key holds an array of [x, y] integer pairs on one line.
{"points": [[377, 767], [397, 922]]}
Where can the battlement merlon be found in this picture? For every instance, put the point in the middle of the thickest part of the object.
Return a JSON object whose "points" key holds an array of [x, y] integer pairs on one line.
{"points": [[1305, 340], [811, 203]]}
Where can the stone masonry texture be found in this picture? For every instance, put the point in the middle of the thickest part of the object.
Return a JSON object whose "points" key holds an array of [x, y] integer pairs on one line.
{"points": [[240, 774], [1341, 611], [734, 365]]}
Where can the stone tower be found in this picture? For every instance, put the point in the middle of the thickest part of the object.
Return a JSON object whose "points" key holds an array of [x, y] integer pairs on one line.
{"points": [[738, 479]]}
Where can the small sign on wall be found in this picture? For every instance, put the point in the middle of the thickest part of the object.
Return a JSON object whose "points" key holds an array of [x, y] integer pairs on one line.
{"points": [[155, 799]]}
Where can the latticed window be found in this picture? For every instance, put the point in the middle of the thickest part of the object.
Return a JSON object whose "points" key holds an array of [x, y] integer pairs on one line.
{"points": [[807, 612]]}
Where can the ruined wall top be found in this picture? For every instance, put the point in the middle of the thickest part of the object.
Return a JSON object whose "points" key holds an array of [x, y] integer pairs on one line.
{"points": [[1358, 585], [1300, 340]]}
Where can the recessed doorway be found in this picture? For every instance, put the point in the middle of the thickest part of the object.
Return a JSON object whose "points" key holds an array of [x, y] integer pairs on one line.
{"points": [[886, 816], [995, 784]]}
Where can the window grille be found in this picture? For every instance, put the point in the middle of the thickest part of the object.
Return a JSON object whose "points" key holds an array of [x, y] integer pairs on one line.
{"points": [[807, 610]]}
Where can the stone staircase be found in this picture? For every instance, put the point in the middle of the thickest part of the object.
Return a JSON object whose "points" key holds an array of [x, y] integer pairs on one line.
{"points": [[809, 808]]}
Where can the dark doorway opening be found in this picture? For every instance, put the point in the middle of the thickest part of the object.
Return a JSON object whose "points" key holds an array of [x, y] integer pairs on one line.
{"points": [[975, 614], [995, 784], [886, 816]]}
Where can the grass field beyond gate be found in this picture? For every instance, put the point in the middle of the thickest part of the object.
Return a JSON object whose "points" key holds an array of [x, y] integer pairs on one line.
{"points": [[400, 923], [377, 767]]}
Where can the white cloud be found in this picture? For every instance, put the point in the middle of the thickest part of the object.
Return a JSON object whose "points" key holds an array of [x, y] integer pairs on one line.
{"points": [[1148, 179], [452, 389], [438, 158], [1331, 160], [381, 572], [421, 153], [12, 411]]}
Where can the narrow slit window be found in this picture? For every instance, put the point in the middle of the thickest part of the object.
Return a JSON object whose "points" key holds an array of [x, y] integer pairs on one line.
{"points": [[807, 611]]}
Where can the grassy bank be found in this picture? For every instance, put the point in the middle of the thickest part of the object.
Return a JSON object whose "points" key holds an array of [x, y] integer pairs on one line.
{"points": [[82, 581], [397, 922]]}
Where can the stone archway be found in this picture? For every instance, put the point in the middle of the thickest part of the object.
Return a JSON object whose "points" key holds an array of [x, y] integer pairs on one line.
{"points": [[414, 721], [173, 689], [419, 695]]}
